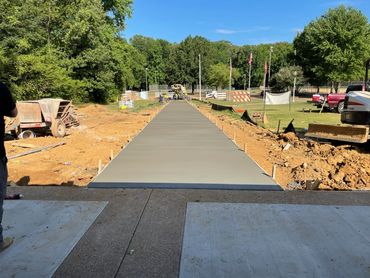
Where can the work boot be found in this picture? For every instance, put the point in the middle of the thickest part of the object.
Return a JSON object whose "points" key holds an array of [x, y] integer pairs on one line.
{"points": [[6, 243]]}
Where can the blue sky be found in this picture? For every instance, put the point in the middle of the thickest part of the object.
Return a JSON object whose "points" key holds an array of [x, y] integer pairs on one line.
{"points": [[238, 21]]}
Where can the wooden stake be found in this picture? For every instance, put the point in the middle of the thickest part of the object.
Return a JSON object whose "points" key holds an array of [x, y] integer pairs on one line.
{"points": [[274, 172], [278, 129], [245, 147], [100, 166], [111, 155]]}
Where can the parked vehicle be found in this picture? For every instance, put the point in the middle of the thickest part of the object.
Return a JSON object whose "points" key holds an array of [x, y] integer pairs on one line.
{"points": [[354, 88], [355, 116], [332, 102]]}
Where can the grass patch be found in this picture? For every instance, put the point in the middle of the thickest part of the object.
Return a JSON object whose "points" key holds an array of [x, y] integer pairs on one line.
{"points": [[144, 104], [281, 112], [138, 105]]}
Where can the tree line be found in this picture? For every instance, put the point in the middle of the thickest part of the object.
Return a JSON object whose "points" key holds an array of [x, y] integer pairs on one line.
{"points": [[168, 63], [72, 49]]}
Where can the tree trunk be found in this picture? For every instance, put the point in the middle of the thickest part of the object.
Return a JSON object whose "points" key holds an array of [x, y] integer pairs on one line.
{"points": [[337, 86]]}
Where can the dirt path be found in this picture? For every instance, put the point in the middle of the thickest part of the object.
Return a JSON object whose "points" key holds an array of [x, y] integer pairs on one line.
{"points": [[101, 132], [335, 168]]}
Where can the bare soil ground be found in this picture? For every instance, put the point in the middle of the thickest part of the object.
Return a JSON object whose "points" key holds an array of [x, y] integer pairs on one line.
{"points": [[101, 132], [299, 162]]}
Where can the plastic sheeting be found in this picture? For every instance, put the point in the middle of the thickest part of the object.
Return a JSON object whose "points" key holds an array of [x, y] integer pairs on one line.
{"points": [[275, 99]]}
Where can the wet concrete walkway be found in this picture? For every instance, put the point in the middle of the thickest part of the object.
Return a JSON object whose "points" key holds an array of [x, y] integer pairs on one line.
{"points": [[181, 148]]}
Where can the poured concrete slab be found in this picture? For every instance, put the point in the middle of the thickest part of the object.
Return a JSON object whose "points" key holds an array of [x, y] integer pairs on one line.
{"points": [[45, 232], [263, 240], [181, 148]]}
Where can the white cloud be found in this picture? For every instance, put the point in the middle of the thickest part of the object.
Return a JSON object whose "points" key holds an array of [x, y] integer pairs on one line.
{"points": [[252, 30], [226, 31], [297, 30]]}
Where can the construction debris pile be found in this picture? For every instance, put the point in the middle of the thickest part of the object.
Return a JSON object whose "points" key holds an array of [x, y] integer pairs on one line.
{"points": [[343, 167], [301, 163]]}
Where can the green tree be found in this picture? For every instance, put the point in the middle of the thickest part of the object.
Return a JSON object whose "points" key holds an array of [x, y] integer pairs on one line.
{"points": [[219, 75], [69, 49], [284, 78], [120, 11], [155, 53], [30, 63], [280, 57], [188, 59], [221, 51], [335, 46], [129, 66], [88, 40]]}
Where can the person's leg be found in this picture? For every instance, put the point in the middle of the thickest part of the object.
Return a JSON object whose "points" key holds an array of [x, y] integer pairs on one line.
{"points": [[3, 182]]}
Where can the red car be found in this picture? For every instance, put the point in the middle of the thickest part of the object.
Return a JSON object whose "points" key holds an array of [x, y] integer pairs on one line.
{"points": [[334, 101]]}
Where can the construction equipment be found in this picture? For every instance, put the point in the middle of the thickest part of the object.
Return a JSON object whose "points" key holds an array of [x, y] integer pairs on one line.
{"points": [[41, 117], [355, 116], [179, 91]]}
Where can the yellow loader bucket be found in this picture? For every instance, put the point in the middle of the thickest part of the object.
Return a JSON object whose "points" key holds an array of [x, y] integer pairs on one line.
{"points": [[346, 133]]}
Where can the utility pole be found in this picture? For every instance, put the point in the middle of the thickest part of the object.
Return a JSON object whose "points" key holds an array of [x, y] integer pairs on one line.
{"points": [[155, 79], [250, 71], [146, 79], [271, 48], [264, 88], [231, 72], [200, 79], [294, 83]]}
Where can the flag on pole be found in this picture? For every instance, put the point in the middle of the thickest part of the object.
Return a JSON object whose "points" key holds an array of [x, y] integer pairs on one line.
{"points": [[250, 58]]}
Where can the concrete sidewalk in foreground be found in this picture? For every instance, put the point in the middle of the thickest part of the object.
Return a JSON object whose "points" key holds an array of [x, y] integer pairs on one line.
{"points": [[181, 148], [140, 232]]}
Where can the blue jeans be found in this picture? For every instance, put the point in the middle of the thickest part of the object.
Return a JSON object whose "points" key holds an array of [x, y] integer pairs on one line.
{"points": [[3, 183]]}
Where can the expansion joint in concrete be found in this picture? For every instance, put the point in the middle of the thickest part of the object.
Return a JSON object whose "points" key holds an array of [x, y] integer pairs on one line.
{"points": [[133, 233]]}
